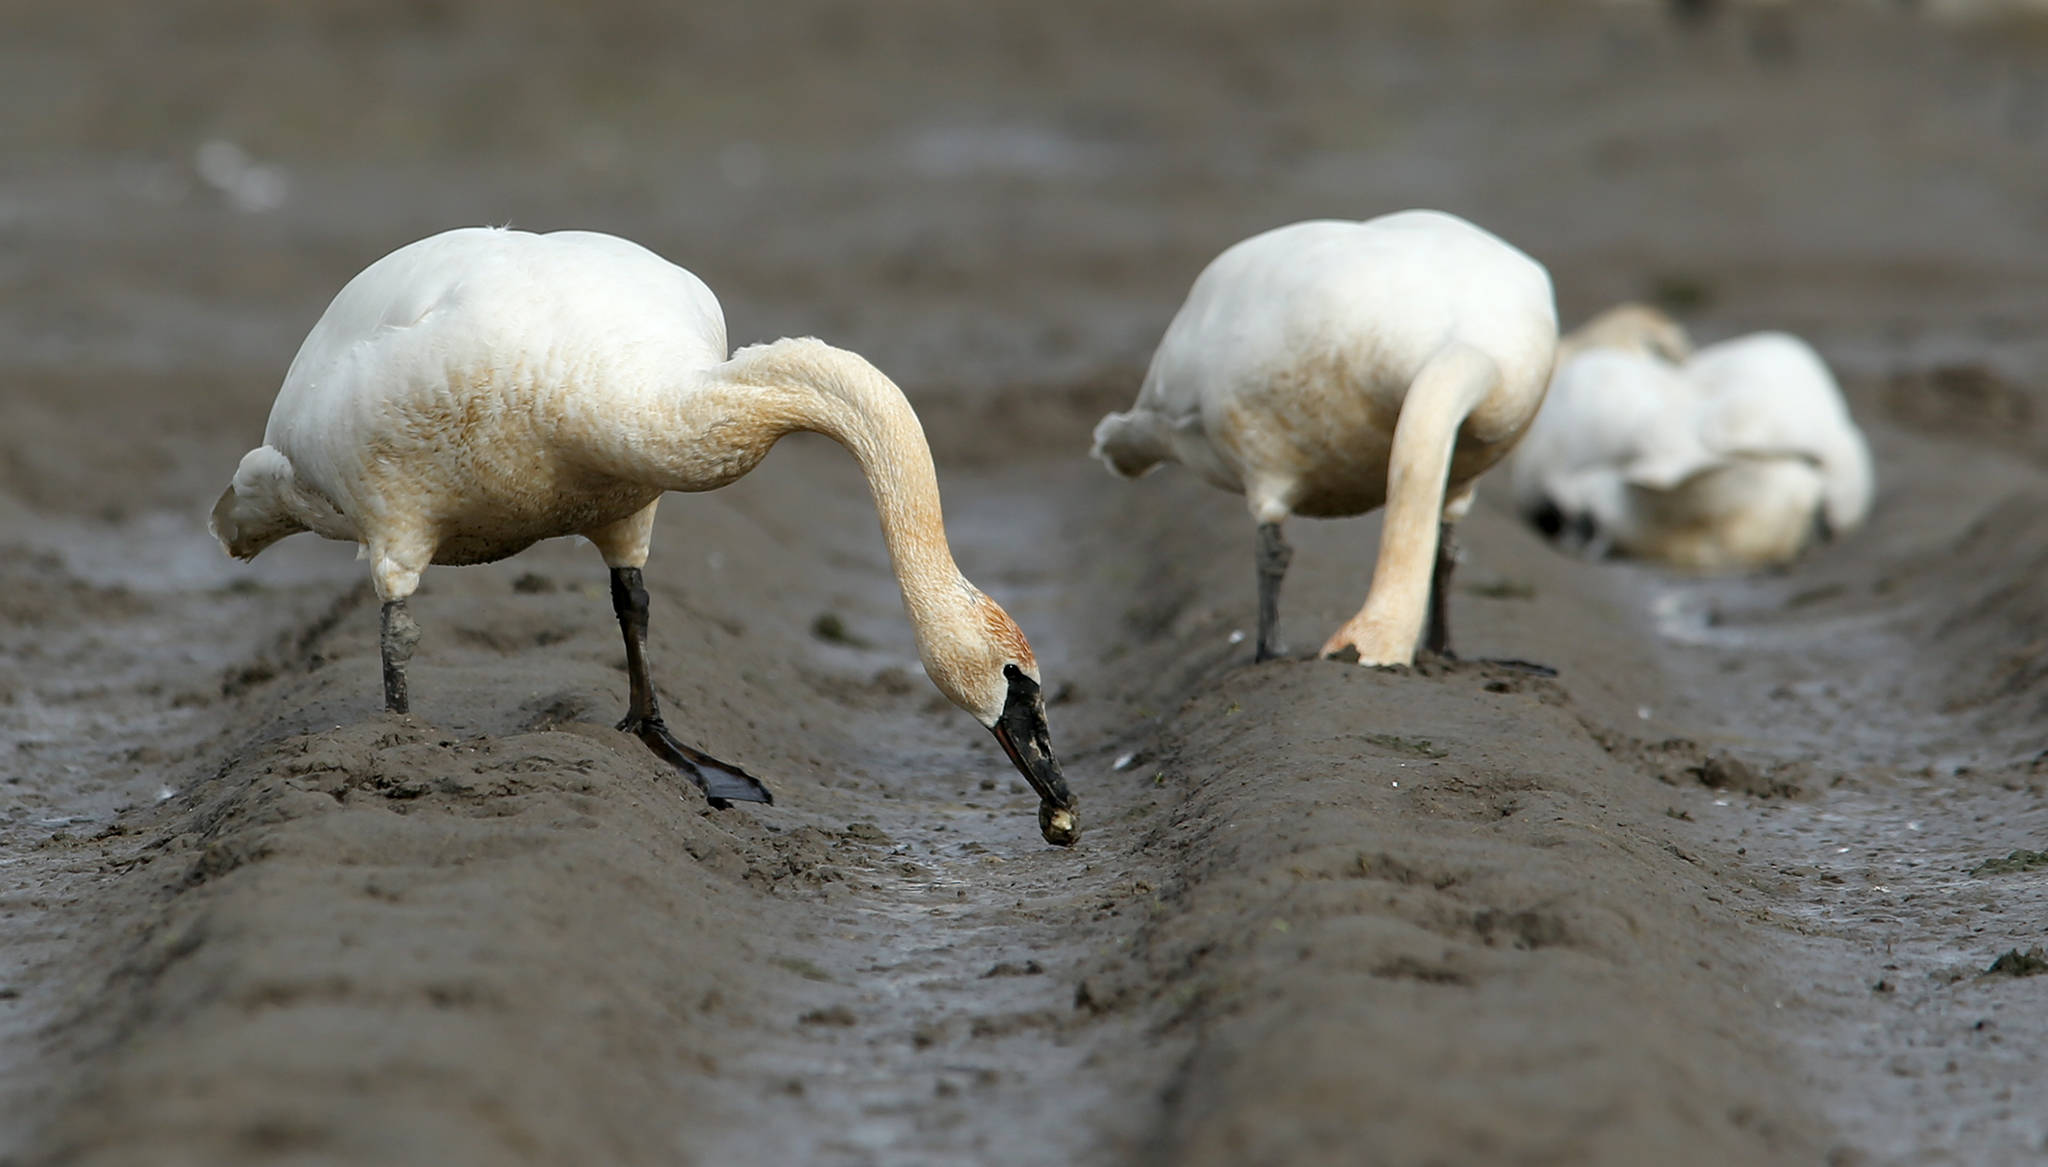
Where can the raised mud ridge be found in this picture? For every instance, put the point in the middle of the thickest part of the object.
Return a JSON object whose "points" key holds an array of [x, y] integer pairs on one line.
{"points": [[1737, 886], [1442, 913], [1456, 912]]}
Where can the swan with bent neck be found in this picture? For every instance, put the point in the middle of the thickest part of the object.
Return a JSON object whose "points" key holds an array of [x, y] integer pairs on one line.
{"points": [[1736, 456], [1329, 368], [482, 389]]}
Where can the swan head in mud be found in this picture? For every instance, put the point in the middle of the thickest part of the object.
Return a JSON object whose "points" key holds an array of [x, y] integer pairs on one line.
{"points": [[983, 664]]}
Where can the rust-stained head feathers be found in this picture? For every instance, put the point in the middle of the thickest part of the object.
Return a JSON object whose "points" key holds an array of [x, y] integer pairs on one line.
{"points": [[967, 646]]}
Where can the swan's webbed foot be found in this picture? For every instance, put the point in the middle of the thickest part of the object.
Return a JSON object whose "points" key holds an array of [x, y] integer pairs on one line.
{"points": [[1510, 663], [722, 784], [1516, 664]]}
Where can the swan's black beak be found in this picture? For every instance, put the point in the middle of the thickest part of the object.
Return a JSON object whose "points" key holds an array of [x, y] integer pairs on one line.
{"points": [[1021, 729]]}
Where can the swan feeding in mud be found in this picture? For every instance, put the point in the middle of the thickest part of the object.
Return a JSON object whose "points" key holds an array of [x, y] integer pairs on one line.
{"points": [[482, 389], [1739, 455], [1329, 367]]}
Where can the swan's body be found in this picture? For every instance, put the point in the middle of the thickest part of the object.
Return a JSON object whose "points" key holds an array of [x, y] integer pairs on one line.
{"points": [[480, 390], [1327, 368], [1738, 457]]}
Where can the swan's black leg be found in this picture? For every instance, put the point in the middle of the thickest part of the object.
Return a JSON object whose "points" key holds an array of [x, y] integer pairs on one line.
{"points": [[722, 784], [1438, 638], [399, 636], [1273, 557]]}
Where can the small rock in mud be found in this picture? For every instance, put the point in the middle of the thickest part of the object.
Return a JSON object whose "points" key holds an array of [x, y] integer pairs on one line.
{"points": [[801, 966], [830, 628], [532, 583], [1727, 772], [2014, 864], [557, 710], [867, 832], [1502, 589], [2031, 963], [838, 1015], [1029, 968], [1418, 747]]}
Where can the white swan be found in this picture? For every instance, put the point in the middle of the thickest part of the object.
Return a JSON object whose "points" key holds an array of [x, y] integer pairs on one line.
{"points": [[1328, 367], [1740, 456], [1629, 327], [482, 389]]}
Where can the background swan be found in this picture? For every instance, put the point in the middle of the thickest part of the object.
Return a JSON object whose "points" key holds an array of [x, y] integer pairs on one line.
{"points": [[482, 389], [1629, 327], [1739, 456], [1328, 367]]}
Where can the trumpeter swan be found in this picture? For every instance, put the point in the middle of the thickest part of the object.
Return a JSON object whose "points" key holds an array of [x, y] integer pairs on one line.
{"points": [[483, 389], [1630, 327], [1328, 367], [1738, 456]]}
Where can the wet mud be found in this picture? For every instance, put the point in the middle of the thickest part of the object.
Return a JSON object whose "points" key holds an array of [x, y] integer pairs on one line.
{"points": [[1753, 878]]}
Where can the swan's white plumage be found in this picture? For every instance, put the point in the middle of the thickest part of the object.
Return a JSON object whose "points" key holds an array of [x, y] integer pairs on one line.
{"points": [[1299, 351], [482, 389], [1727, 460], [460, 392], [1774, 395]]}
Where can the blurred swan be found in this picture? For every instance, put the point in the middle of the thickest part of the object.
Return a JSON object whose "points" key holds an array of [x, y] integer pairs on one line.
{"points": [[1737, 456], [480, 390], [1629, 327], [1327, 368]]}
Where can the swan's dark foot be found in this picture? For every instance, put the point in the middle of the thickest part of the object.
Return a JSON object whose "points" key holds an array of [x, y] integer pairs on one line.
{"points": [[722, 785], [1512, 664], [1520, 666]]}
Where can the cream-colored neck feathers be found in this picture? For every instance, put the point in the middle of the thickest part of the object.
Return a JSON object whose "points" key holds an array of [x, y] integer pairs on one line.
{"points": [[1630, 328], [769, 390]]}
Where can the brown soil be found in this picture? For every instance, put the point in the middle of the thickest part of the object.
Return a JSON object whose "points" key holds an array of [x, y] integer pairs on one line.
{"points": [[1738, 885]]}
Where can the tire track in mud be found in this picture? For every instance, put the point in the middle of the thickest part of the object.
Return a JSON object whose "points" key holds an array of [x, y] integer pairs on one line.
{"points": [[1221, 1004], [106, 706], [945, 1027], [1895, 687], [896, 986], [520, 944], [1320, 908]]}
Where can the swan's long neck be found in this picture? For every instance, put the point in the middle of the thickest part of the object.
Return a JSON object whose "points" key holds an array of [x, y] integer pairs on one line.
{"points": [[808, 385]]}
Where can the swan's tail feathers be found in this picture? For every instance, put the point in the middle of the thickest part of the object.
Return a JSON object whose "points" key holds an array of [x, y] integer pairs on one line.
{"points": [[251, 514], [1851, 481], [1131, 443]]}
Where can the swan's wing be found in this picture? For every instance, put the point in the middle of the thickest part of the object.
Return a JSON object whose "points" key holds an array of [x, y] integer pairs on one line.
{"points": [[362, 351], [469, 314], [1621, 414], [633, 284], [1770, 395]]}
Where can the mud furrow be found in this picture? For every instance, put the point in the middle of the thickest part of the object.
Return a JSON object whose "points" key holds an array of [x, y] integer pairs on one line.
{"points": [[1891, 688]]}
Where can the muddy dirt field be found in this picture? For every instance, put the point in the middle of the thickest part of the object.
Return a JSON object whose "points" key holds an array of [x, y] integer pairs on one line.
{"points": [[1733, 887]]}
